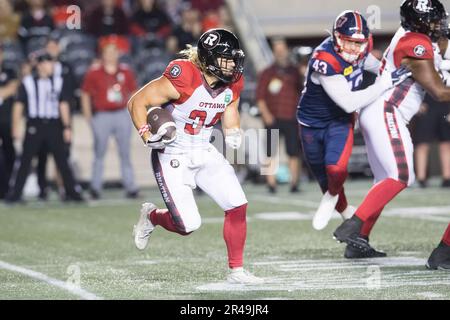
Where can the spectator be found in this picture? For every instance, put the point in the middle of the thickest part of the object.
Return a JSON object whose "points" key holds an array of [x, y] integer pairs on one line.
{"points": [[105, 91], [189, 30], [9, 21], [35, 23], [150, 18], [8, 88], [107, 19], [206, 5], [44, 97], [431, 124], [277, 96]]}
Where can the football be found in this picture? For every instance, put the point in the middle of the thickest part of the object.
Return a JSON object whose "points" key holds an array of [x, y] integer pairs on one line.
{"points": [[158, 118]]}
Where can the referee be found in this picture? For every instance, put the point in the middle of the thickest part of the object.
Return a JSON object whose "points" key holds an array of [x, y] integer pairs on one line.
{"points": [[44, 98]]}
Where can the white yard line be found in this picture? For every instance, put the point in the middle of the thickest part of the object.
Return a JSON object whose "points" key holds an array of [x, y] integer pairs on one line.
{"points": [[51, 281], [327, 274]]}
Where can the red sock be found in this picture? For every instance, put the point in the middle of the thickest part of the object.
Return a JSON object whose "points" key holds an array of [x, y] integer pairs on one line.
{"points": [[164, 219], [336, 176], [235, 233], [342, 204], [377, 198], [369, 223], [446, 238]]}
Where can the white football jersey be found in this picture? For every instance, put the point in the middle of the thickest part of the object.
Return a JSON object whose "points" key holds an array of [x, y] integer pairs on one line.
{"points": [[199, 107], [408, 96]]}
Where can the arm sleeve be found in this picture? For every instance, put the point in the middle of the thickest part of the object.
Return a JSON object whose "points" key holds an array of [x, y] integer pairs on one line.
{"points": [[339, 90], [181, 74], [236, 88], [372, 64], [66, 91], [413, 45], [88, 84], [261, 88], [22, 95]]}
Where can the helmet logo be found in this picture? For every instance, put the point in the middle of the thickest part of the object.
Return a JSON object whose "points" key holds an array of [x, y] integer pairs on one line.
{"points": [[419, 50], [212, 40], [422, 6], [342, 20], [175, 71]]}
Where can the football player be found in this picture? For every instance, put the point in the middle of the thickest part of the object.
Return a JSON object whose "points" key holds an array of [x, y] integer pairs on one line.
{"points": [[384, 122], [199, 90], [327, 106]]}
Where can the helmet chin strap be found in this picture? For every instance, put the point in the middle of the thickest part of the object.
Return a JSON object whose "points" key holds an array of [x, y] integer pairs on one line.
{"points": [[350, 58]]}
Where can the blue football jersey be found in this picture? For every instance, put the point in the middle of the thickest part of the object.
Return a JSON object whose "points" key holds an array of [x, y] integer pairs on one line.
{"points": [[316, 109]]}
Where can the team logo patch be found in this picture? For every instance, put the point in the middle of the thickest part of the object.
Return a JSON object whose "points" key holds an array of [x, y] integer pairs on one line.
{"points": [[175, 71], [419, 50], [422, 6], [174, 163], [348, 71]]}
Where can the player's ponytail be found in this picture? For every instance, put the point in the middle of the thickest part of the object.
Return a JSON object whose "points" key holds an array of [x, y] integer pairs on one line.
{"points": [[191, 54]]}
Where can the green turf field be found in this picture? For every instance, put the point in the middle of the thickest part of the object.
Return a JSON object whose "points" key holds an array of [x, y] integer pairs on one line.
{"points": [[57, 251]]}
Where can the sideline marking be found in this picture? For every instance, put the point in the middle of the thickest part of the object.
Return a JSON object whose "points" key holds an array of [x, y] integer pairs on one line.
{"points": [[54, 282]]}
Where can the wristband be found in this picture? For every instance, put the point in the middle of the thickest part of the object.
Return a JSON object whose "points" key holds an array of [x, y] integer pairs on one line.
{"points": [[143, 129]]}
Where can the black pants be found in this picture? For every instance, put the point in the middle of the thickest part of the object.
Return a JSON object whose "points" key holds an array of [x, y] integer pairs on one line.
{"points": [[8, 155], [41, 133]]}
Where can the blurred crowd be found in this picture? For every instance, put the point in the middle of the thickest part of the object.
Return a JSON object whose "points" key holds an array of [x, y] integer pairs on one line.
{"points": [[144, 30]]}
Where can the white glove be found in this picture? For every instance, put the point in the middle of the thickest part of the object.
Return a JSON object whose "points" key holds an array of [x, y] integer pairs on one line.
{"points": [[155, 141], [233, 138], [392, 79]]}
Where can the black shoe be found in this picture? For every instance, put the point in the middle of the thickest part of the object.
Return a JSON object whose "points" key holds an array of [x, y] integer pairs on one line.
{"points": [[12, 200], [423, 183], [132, 194], [95, 195], [76, 197], [348, 230], [439, 258], [445, 183], [43, 196], [360, 248], [294, 189], [272, 189]]}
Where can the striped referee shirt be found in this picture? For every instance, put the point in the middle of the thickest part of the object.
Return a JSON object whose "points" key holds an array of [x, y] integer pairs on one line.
{"points": [[42, 96]]}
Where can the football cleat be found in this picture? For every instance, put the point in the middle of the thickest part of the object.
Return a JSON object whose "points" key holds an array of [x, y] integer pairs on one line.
{"points": [[144, 227], [439, 258], [349, 230], [360, 248], [242, 276], [325, 210]]}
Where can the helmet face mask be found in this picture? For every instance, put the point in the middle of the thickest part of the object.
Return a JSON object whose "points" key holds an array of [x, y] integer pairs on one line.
{"points": [[350, 49], [424, 16], [351, 36], [220, 53]]}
